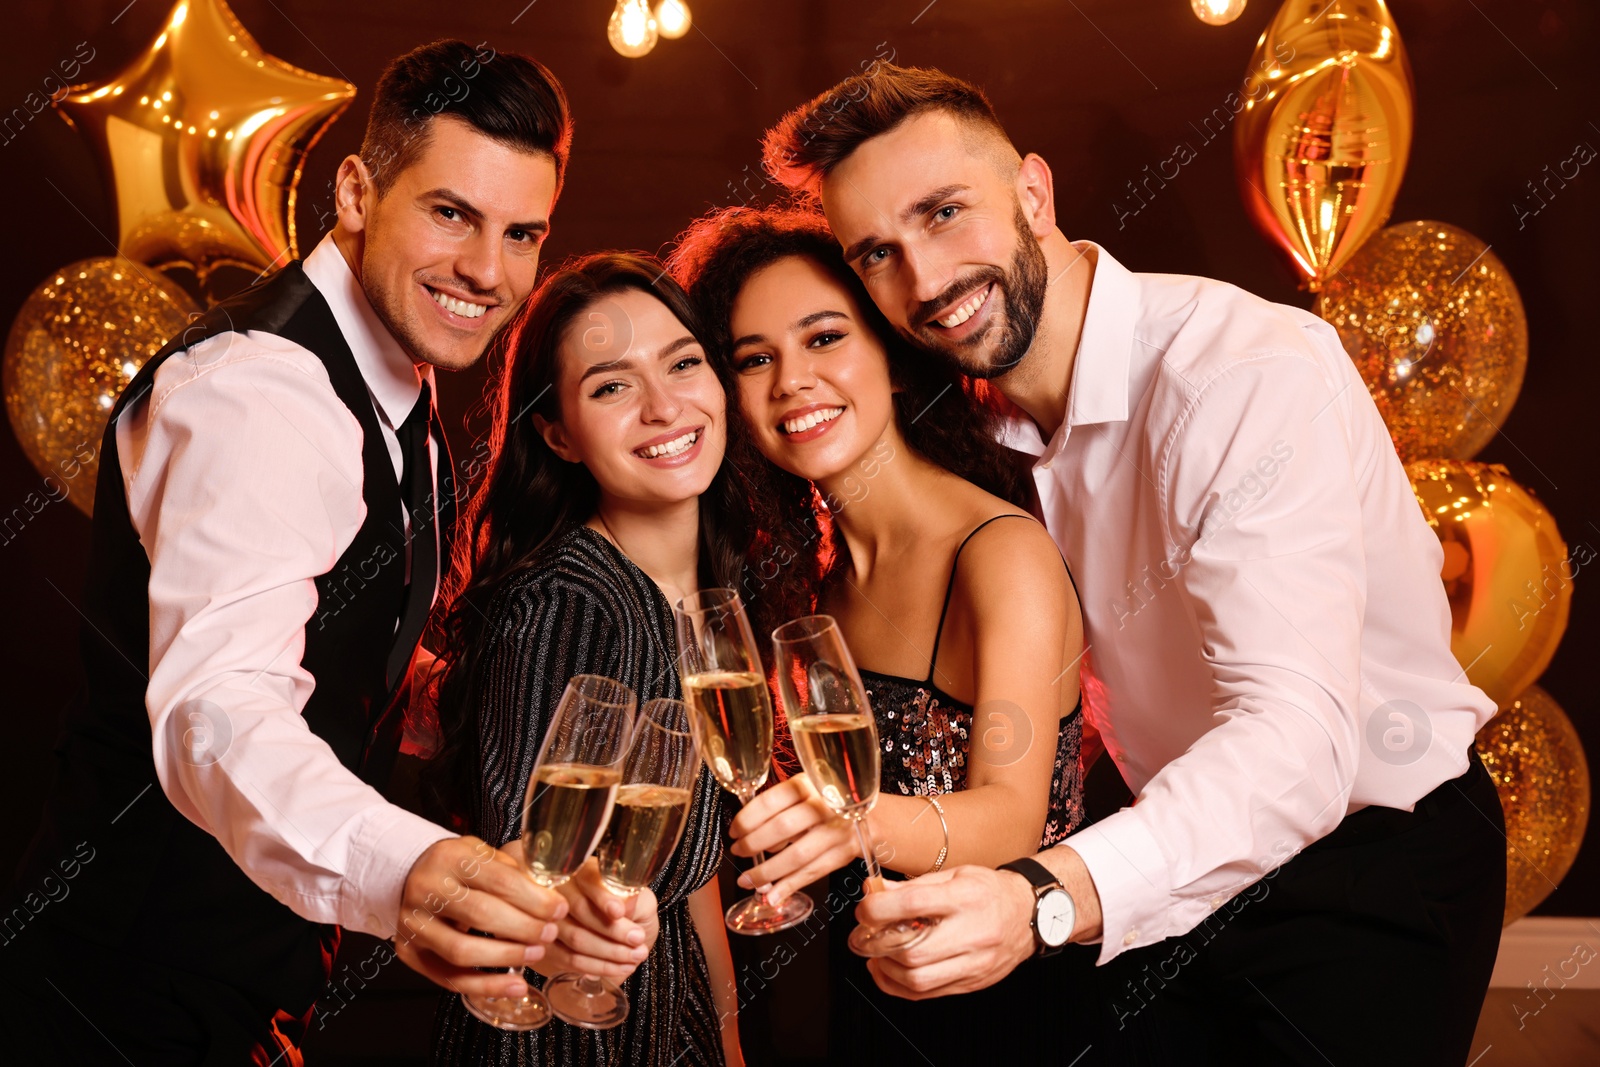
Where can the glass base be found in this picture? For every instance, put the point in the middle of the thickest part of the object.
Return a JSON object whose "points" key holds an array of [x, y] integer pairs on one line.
{"points": [[511, 1013], [586, 1001], [890, 937], [752, 915]]}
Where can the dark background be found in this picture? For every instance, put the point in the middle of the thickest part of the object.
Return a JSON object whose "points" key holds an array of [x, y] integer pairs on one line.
{"points": [[1100, 88]]}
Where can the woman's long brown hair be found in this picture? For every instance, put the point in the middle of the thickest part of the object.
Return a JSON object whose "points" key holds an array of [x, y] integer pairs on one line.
{"points": [[528, 497], [943, 415]]}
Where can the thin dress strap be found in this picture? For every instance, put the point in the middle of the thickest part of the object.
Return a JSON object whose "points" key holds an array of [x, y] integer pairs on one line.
{"points": [[950, 587]]}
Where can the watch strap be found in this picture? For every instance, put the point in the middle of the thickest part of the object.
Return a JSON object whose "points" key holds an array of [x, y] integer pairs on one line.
{"points": [[1037, 874], [1043, 882]]}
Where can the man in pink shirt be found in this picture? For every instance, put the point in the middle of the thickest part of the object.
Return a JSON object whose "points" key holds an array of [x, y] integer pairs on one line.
{"points": [[1268, 652], [271, 521]]}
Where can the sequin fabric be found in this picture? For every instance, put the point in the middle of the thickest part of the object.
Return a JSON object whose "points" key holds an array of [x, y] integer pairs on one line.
{"points": [[925, 735]]}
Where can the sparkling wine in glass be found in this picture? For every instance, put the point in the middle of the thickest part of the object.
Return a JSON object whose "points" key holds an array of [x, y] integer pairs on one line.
{"points": [[646, 825], [837, 742], [570, 796], [731, 714]]}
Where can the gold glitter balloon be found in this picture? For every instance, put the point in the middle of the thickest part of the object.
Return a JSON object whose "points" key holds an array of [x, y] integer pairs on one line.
{"points": [[1323, 130], [203, 137], [80, 337], [1536, 760], [1435, 325], [1506, 572]]}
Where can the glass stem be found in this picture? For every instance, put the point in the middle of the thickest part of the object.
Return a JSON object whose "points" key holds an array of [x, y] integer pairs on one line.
{"points": [[746, 796], [869, 854], [591, 985], [761, 858]]}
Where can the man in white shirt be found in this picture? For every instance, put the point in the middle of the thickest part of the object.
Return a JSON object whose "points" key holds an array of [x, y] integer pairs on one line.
{"points": [[1268, 658], [270, 527]]}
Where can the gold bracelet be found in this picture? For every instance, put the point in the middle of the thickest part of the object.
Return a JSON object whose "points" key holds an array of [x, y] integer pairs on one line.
{"points": [[944, 851]]}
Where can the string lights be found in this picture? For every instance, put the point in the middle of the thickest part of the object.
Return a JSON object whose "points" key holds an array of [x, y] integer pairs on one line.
{"points": [[1217, 12], [634, 28]]}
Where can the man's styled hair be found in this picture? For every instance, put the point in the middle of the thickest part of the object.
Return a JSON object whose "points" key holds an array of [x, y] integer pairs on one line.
{"points": [[808, 142], [509, 98]]}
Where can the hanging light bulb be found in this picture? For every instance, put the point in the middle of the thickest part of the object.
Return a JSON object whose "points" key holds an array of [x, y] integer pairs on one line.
{"points": [[673, 18], [1217, 12], [632, 29]]}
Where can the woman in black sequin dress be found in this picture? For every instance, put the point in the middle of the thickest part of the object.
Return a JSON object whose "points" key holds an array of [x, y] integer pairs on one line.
{"points": [[892, 508], [604, 499]]}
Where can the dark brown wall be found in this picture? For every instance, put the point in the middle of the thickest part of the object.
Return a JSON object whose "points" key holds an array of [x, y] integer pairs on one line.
{"points": [[1100, 88]]}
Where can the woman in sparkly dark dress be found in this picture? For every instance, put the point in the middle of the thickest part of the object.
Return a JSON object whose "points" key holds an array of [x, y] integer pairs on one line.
{"points": [[891, 507], [605, 498]]}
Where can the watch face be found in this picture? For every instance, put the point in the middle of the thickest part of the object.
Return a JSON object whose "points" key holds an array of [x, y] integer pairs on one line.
{"points": [[1056, 915]]}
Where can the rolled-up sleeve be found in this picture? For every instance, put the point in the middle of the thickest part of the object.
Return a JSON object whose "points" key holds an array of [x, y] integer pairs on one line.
{"points": [[1263, 521], [243, 471]]}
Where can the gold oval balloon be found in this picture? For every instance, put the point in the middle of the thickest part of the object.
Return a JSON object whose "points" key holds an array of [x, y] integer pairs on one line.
{"points": [[203, 137], [1436, 327], [1536, 760], [1506, 572], [1321, 144], [80, 338]]}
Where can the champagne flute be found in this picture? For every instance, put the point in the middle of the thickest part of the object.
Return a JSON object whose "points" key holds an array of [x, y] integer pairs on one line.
{"points": [[570, 795], [837, 741], [731, 714], [646, 825]]}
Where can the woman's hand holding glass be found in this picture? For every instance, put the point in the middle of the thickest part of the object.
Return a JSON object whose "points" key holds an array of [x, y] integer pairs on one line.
{"points": [[836, 738], [731, 713], [602, 934], [791, 816], [570, 795], [612, 889]]}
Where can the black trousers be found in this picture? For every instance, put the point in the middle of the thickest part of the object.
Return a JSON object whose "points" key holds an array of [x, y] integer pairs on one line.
{"points": [[1374, 945]]}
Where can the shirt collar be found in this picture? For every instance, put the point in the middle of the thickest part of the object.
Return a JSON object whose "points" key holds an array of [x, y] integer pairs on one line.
{"points": [[392, 378], [1099, 389]]}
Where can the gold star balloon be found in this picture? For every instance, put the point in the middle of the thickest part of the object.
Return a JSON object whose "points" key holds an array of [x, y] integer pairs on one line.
{"points": [[203, 137]]}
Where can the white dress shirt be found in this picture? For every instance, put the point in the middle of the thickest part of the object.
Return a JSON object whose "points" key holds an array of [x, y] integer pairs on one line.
{"points": [[243, 474], [1267, 635]]}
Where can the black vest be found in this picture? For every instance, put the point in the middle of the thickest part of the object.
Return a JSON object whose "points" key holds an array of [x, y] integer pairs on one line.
{"points": [[159, 886]]}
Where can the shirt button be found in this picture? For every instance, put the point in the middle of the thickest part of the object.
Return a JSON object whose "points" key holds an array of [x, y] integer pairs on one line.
{"points": [[1216, 902], [1130, 937], [1046, 464]]}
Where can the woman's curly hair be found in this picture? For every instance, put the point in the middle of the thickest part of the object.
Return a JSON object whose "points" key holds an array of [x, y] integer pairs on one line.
{"points": [[943, 415]]}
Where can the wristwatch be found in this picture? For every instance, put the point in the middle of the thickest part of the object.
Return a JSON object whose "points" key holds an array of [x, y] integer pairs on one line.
{"points": [[1054, 914]]}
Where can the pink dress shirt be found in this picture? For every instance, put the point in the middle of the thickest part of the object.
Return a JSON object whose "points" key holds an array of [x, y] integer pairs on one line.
{"points": [[1267, 635], [243, 476]]}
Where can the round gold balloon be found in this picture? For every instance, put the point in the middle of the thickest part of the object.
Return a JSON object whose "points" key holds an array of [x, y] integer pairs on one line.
{"points": [[1321, 143], [1536, 760], [203, 137], [1436, 327], [80, 338], [1506, 572]]}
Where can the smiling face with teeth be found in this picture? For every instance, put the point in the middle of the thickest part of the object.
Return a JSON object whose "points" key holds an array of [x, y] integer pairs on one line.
{"points": [[814, 382], [448, 253], [640, 407], [931, 219]]}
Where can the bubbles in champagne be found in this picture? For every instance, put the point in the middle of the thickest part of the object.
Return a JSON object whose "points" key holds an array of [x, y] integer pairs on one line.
{"points": [[733, 715], [568, 805], [645, 827], [840, 756]]}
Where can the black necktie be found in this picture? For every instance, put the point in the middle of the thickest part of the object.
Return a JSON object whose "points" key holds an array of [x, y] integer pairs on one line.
{"points": [[416, 487]]}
